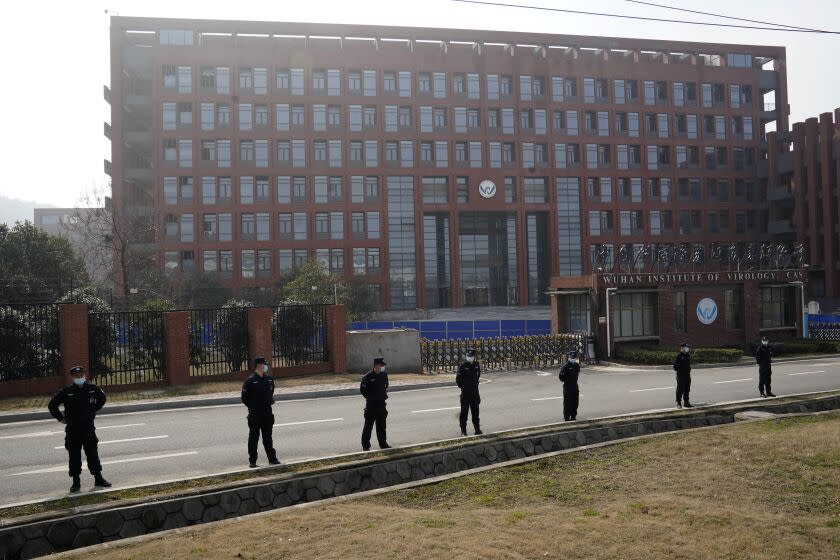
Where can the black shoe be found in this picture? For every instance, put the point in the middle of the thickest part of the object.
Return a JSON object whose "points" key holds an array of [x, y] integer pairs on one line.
{"points": [[574, 419], [101, 482], [763, 396], [769, 394], [463, 433], [366, 448], [688, 405], [386, 446], [679, 405], [274, 461], [252, 464], [77, 485], [478, 432]]}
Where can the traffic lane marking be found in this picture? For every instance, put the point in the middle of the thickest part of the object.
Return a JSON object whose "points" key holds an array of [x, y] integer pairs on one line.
{"points": [[733, 380], [63, 468], [310, 422], [121, 440], [807, 372], [651, 389], [553, 398], [436, 409], [41, 434]]}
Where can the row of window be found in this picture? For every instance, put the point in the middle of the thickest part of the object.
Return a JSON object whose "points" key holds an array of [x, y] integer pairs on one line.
{"points": [[401, 118], [436, 190], [256, 226], [469, 85], [661, 222], [401, 153], [259, 263]]}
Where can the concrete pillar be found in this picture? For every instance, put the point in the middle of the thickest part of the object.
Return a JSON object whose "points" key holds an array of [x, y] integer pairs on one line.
{"points": [[259, 334], [176, 347], [337, 337], [73, 337]]}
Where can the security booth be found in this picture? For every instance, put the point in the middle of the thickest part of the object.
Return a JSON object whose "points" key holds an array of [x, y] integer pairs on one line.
{"points": [[710, 306]]}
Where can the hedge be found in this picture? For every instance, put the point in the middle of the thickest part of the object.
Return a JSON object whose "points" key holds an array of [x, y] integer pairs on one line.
{"points": [[653, 356], [801, 346]]}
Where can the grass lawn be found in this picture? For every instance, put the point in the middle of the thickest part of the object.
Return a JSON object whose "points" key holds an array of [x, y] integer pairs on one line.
{"points": [[768, 490]]}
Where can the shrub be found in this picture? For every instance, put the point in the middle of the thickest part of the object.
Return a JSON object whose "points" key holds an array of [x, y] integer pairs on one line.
{"points": [[231, 332], [659, 356], [800, 346], [293, 329]]}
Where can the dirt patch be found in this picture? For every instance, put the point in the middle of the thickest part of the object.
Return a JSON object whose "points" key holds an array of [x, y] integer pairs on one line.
{"points": [[753, 490]]}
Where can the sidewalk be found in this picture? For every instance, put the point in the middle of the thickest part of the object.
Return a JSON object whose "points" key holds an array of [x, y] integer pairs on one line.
{"points": [[24, 409]]}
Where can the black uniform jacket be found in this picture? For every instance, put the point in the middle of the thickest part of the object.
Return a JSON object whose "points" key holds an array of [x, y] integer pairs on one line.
{"points": [[467, 379], [763, 359], [569, 376], [374, 386], [258, 393], [80, 404], [682, 363]]}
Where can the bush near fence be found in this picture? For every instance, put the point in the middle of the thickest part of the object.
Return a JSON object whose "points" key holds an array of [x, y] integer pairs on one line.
{"points": [[502, 353], [298, 335], [800, 346], [126, 347], [657, 356], [29, 341]]}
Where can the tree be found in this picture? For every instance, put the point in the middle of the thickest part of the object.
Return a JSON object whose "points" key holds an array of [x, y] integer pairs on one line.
{"points": [[312, 284], [358, 299], [36, 266], [230, 332]]}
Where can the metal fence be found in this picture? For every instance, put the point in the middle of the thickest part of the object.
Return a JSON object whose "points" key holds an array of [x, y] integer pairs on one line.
{"points": [[29, 341], [503, 353], [126, 347], [824, 331], [218, 341], [298, 335]]}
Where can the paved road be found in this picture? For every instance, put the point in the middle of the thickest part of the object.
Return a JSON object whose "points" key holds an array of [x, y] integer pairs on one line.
{"points": [[149, 447]]}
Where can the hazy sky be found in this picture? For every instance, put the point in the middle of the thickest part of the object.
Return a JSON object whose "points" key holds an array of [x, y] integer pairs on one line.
{"points": [[55, 62]]}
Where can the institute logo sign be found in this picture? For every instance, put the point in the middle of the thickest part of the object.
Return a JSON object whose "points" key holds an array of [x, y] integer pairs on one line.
{"points": [[707, 311], [487, 189]]}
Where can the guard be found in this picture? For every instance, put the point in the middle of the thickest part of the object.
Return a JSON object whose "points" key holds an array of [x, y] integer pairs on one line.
{"points": [[258, 396], [374, 388], [763, 357], [682, 365], [81, 401], [467, 378], [571, 392]]}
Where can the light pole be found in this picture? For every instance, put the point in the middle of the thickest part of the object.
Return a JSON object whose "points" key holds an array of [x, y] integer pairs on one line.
{"points": [[609, 292]]}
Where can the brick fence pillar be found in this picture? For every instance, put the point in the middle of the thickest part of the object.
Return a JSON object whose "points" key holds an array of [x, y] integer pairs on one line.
{"points": [[73, 337], [555, 314], [176, 347], [259, 334], [337, 337]]}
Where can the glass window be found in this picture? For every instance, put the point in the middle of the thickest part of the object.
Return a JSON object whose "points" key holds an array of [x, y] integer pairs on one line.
{"points": [[634, 315]]}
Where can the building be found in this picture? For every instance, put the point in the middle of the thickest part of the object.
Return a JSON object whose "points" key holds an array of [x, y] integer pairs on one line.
{"points": [[448, 168], [83, 228], [802, 170]]}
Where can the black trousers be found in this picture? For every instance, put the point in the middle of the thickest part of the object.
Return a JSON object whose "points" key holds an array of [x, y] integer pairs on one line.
{"points": [[683, 387], [764, 382], [570, 405], [260, 423], [375, 413], [469, 405], [76, 439]]}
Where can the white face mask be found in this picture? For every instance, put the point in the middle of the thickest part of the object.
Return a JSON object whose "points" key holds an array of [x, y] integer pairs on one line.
{"points": [[573, 360], [79, 380], [470, 359], [382, 369], [265, 368], [686, 349], [765, 342]]}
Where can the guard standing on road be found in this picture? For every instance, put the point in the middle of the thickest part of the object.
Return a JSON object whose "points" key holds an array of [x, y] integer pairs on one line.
{"points": [[571, 392], [682, 365], [467, 378], [763, 359], [258, 396], [374, 388], [81, 401]]}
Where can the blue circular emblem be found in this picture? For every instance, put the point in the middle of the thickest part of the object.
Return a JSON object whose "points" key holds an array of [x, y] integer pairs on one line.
{"points": [[707, 311]]}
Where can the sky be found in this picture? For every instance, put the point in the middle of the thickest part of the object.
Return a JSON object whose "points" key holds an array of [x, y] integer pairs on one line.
{"points": [[55, 62]]}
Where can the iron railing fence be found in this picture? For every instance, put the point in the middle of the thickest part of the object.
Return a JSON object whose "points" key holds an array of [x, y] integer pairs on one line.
{"points": [[126, 347], [29, 341], [828, 332], [298, 335], [502, 353], [218, 341]]}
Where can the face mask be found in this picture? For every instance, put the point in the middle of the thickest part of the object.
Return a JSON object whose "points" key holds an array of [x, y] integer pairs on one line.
{"points": [[265, 368], [686, 349], [573, 360], [764, 343], [382, 369], [79, 380], [470, 359]]}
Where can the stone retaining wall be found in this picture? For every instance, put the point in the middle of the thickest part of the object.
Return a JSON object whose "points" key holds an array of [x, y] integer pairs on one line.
{"points": [[29, 539]]}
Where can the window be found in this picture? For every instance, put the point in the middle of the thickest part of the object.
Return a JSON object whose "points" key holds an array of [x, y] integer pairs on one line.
{"points": [[462, 190], [369, 83], [319, 81], [680, 316], [739, 60], [659, 189], [369, 117], [774, 309], [333, 82], [535, 190], [298, 86], [634, 315], [439, 83], [507, 121], [435, 190], [566, 156], [600, 222], [246, 79], [185, 79], [354, 82], [473, 86], [656, 92], [631, 222], [247, 263], [599, 189], [510, 189], [299, 225], [626, 91]]}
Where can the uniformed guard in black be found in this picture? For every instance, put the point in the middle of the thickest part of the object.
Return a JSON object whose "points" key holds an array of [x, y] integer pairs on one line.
{"points": [[258, 396], [763, 357], [374, 388], [467, 378], [81, 401], [682, 365], [571, 392]]}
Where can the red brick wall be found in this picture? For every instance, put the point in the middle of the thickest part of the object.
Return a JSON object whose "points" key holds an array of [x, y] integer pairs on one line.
{"points": [[337, 337], [176, 345], [259, 334], [73, 337]]}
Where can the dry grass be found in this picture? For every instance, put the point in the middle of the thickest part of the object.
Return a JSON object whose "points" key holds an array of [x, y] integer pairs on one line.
{"points": [[760, 490], [208, 388]]}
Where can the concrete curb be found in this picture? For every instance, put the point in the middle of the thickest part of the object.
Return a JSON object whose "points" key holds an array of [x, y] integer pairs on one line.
{"points": [[712, 366], [166, 404]]}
